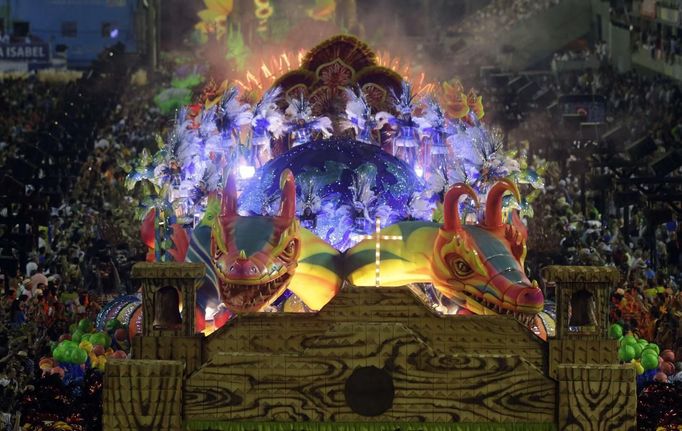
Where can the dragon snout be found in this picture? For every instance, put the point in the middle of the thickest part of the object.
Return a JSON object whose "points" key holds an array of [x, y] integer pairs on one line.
{"points": [[527, 297], [243, 269], [239, 269]]}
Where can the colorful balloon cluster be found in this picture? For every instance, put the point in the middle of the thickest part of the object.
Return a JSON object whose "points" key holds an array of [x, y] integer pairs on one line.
{"points": [[644, 355], [84, 348]]}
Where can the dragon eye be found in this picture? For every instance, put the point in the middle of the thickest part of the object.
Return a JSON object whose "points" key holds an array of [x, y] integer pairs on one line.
{"points": [[217, 254], [291, 246], [462, 268]]}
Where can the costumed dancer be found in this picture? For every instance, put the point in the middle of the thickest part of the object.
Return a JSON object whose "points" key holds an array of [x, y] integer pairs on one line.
{"points": [[267, 122], [311, 203], [359, 115], [406, 138], [301, 124], [223, 137], [173, 162], [176, 154], [363, 198], [204, 181], [437, 129]]}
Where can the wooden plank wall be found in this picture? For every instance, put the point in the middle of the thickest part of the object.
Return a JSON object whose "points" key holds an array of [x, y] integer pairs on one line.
{"points": [[177, 348], [428, 386], [597, 397], [277, 332], [294, 367], [142, 395], [576, 351]]}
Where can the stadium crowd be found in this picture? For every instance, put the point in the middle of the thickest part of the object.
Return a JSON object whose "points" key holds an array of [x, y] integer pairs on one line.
{"points": [[505, 14], [579, 223], [67, 242]]}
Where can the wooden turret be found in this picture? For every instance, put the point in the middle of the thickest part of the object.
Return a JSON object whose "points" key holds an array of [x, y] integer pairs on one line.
{"points": [[595, 391]]}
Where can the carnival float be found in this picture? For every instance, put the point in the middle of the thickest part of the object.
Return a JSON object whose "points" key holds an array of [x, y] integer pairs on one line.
{"points": [[342, 247], [340, 172]]}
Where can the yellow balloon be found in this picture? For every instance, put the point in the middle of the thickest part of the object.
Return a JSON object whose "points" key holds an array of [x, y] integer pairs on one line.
{"points": [[86, 345], [101, 363]]}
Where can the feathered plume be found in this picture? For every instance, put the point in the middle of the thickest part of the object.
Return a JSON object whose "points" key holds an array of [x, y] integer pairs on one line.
{"points": [[206, 184], [404, 103], [433, 120], [310, 197], [231, 114], [179, 143], [358, 115], [299, 108], [483, 159], [301, 122], [267, 116]]}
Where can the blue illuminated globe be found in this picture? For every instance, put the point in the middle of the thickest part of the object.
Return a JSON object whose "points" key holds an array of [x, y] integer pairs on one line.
{"points": [[342, 186]]}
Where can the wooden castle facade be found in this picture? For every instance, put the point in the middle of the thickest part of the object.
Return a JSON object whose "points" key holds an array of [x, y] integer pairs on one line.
{"points": [[373, 358]]}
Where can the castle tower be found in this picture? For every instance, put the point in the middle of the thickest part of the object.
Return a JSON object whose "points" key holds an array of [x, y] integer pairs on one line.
{"points": [[595, 391], [145, 392], [168, 300]]}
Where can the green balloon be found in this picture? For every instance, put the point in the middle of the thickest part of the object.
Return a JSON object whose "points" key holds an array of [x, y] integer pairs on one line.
{"points": [[628, 339], [86, 337], [626, 353], [73, 327], [58, 352], [85, 325], [642, 342], [615, 331], [73, 356], [113, 325], [82, 356], [654, 347], [77, 335], [69, 344], [649, 362], [638, 350], [100, 339]]}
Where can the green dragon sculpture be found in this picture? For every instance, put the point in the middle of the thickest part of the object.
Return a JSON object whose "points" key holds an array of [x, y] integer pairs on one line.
{"points": [[479, 267], [253, 260]]}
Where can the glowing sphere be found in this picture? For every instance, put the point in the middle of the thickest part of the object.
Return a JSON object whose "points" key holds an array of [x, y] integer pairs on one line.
{"points": [[344, 184]]}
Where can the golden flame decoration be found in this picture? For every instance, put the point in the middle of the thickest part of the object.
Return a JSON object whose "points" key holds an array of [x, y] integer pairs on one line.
{"points": [[420, 85], [256, 81], [456, 102]]}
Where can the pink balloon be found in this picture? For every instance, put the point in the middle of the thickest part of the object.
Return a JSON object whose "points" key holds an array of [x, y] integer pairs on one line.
{"points": [[668, 355], [661, 377], [119, 354], [668, 368], [98, 350], [121, 334], [58, 370]]}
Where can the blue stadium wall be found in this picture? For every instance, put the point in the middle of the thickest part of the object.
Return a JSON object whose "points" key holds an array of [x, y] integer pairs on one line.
{"points": [[47, 19]]}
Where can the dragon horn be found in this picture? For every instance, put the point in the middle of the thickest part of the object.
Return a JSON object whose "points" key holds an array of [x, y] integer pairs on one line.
{"points": [[229, 201], [287, 206], [451, 205], [493, 205]]}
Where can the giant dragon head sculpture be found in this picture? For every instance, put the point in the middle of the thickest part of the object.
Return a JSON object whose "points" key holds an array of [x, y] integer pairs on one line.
{"points": [[255, 257], [481, 266]]}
